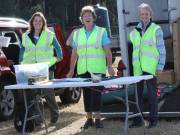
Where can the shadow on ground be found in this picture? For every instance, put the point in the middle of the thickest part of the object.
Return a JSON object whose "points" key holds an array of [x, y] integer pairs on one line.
{"points": [[66, 118]]}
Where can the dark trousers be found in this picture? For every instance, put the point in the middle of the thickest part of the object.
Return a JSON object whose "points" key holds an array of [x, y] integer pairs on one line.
{"points": [[49, 96], [51, 102], [91, 96], [152, 97]]}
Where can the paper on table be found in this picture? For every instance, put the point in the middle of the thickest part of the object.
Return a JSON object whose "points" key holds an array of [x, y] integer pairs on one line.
{"points": [[70, 80]]}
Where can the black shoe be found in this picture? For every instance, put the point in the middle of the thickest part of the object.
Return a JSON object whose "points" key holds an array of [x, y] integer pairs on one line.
{"points": [[38, 124], [98, 123], [54, 119], [152, 124], [88, 123], [136, 124]]}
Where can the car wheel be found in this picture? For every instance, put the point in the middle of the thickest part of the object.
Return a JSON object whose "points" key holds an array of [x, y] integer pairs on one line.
{"points": [[70, 95], [7, 104]]}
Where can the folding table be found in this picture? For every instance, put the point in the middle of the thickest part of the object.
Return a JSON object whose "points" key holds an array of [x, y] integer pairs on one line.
{"points": [[81, 82]]}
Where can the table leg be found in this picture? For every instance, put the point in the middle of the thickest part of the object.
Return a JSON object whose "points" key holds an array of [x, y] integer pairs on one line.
{"points": [[26, 111], [127, 111], [41, 112]]}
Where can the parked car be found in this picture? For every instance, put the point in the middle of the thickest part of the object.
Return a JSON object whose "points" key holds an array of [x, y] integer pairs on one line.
{"points": [[13, 28]]}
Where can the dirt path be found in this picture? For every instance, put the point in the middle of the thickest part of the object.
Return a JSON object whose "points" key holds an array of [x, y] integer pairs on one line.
{"points": [[72, 118]]}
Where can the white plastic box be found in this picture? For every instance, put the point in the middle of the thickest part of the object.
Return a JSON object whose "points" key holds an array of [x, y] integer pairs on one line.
{"points": [[25, 71]]}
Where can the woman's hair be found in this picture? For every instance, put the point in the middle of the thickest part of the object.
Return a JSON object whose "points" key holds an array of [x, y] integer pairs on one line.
{"points": [[31, 27], [87, 9], [145, 6]]}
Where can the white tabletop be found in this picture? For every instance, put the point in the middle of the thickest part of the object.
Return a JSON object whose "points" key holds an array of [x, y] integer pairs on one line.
{"points": [[80, 83]]}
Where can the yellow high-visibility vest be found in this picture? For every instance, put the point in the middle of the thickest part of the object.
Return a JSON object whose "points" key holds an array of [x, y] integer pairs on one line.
{"points": [[41, 52], [91, 55], [145, 54]]}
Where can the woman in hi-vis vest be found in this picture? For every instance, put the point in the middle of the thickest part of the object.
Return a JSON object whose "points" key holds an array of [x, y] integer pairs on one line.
{"points": [[38, 44], [91, 51], [148, 57]]}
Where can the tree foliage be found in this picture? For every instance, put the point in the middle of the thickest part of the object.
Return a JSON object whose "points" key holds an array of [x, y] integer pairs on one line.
{"points": [[65, 12], [20, 8]]}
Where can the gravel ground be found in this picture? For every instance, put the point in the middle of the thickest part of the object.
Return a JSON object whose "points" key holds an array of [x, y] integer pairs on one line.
{"points": [[72, 118]]}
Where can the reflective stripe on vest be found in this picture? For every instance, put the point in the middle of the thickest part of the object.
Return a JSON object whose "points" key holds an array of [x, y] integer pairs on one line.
{"points": [[91, 54], [149, 54], [95, 56], [41, 52], [39, 58], [145, 54], [148, 42]]}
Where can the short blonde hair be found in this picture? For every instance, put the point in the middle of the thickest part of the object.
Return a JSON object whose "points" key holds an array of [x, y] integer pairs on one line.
{"points": [[145, 6], [87, 9]]}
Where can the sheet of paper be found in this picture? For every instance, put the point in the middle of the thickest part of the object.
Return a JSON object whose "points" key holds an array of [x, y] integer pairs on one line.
{"points": [[70, 80]]}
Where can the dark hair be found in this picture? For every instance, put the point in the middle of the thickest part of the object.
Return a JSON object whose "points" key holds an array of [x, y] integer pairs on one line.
{"points": [[31, 27], [87, 9]]}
